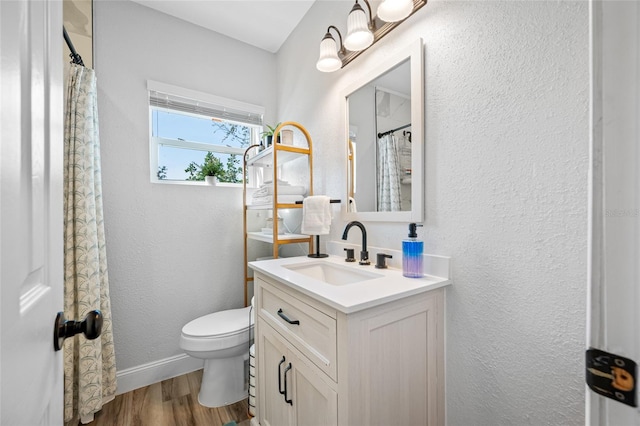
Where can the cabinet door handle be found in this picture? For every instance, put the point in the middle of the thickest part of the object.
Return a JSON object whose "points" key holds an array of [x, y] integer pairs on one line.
{"points": [[286, 318], [279, 376], [288, 401]]}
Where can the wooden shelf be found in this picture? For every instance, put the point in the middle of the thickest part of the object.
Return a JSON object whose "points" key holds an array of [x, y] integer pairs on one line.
{"points": [[286, 153], [270, 206], [282, 238], [270, 161]]}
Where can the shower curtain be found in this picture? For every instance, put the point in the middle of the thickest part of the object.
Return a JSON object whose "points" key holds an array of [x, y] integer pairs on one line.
{"points": [[89, 365], [388, 171]]}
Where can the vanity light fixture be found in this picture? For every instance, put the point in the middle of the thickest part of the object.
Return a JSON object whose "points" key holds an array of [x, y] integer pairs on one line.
{"points": [[363, 31]]}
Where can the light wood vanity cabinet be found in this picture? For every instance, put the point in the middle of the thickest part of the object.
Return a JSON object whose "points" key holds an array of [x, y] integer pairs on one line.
{"points": [[379, 366]]}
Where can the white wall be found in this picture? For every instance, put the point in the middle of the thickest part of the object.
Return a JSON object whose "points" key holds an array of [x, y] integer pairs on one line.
{"points": [[175, 252], [506, 96]]}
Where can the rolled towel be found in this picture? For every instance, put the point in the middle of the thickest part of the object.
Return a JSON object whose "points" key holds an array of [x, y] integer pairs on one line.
{"points": [[316, 215], [269, 181]]}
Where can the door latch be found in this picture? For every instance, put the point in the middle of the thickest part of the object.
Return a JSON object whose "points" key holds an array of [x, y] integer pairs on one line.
{"points": [[612, 376]]}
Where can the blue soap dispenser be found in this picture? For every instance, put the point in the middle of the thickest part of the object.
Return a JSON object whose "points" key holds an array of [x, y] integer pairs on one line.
{"points": [[412, 254]]}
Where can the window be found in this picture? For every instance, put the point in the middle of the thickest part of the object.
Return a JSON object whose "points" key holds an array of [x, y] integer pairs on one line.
{"points": [[189, 127]]}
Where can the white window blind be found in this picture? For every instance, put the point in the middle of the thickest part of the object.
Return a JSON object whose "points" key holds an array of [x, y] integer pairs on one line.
{"points": [[189, 101]]}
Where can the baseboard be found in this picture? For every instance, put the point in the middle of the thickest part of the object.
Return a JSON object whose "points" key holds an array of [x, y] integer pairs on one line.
{"points": [[156, 371]]}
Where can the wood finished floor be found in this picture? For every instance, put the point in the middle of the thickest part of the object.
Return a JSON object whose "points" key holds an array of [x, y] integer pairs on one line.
{"points": [[172, 402]]}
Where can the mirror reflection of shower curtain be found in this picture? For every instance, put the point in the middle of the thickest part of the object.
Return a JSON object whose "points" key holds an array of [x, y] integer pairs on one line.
{"points": [[389, 196]]}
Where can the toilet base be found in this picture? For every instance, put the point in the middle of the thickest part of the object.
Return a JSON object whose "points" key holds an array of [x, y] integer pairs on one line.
{"points": [[224, 381]]}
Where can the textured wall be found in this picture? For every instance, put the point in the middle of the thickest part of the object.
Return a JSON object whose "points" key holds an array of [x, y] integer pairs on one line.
{"points": [[506, 97], [175, 252]]}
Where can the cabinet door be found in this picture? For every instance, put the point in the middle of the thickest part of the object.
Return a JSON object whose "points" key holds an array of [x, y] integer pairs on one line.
{"points": [[273, 410], [308, 401], [315, 402], [396, 365]]}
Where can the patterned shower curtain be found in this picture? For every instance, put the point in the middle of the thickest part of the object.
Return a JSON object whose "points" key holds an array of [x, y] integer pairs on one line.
{"points": [[89, 365], [388, 170]]}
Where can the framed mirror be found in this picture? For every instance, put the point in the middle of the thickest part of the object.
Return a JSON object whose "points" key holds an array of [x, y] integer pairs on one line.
{"points": [[384, 133]]}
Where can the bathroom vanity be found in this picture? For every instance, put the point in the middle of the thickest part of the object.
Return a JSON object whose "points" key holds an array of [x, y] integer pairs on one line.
{"points": [[343, 344]]}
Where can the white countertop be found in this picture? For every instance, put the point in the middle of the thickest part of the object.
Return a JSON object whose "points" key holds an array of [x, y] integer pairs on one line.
{"points": [[349, 298]]}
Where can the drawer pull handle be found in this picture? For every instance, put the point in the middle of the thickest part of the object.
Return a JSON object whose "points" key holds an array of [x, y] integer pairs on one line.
{"points": [[288, 401], [279, 376], [286, 318]]}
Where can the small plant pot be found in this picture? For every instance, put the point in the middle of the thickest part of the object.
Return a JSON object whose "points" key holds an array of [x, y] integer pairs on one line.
{"points": [[211, 180], [268, 140]]}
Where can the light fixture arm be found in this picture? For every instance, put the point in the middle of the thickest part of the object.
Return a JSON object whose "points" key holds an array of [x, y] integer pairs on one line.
{"points": [[342, 50], [372, 22]]}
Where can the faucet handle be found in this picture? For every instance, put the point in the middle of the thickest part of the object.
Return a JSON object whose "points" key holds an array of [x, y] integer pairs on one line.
{"points": [[381, 260], [351, 257]]}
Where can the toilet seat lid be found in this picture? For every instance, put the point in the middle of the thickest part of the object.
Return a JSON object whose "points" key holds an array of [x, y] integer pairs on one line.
{"points": [[219, 324]]}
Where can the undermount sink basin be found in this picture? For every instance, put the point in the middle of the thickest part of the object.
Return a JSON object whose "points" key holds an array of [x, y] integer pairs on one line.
{"points": [[331, 273]]}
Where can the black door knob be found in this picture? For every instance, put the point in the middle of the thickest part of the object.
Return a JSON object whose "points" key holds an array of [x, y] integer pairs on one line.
{"points": [[91, 327]]}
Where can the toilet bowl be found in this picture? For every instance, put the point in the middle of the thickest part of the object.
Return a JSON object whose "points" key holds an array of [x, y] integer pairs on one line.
{"points": [[222, 339]]}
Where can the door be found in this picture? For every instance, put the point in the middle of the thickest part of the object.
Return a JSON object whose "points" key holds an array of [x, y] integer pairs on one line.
{"points": [[31, 171], [614, 246]]}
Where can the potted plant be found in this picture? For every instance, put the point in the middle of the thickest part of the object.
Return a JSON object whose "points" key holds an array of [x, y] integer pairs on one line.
{"points": [[210, 171], [267, 135]]}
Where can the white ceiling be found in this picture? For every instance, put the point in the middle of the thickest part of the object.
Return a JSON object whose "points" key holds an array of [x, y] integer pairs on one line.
{"points": [[262, 23]]}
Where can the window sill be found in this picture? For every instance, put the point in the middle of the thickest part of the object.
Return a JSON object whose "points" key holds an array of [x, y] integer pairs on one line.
{"points": [[196, 183]]}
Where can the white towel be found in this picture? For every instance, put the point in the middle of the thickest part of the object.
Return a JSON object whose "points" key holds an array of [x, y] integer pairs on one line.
{"points": [[316, 215], [269, 181], [352, 205]]}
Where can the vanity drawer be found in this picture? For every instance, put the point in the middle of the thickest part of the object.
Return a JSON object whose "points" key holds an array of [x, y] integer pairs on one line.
{"points": [[307, 328]]}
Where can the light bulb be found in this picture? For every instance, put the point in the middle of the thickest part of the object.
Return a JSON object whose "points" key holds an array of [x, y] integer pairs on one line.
{"points": [[395, 10]]}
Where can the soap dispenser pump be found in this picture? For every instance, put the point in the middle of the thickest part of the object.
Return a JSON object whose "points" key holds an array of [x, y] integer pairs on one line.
{"points": [[412, 254]]}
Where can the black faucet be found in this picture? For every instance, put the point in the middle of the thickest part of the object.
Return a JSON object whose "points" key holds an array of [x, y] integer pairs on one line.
{"points": [[364, 254]]}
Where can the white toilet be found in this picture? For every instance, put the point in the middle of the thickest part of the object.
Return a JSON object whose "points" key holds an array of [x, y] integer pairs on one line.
{"points": [[222, 339]]}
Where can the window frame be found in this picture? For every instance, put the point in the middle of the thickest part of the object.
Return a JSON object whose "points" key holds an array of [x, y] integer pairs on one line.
{"points": [[156, 142]]}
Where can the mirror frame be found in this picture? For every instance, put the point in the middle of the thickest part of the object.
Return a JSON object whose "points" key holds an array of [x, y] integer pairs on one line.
{"points": [[414, 53]]}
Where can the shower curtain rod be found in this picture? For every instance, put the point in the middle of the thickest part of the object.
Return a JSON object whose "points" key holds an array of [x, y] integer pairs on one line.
{"points": [[75, 57], [388, 132]]}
